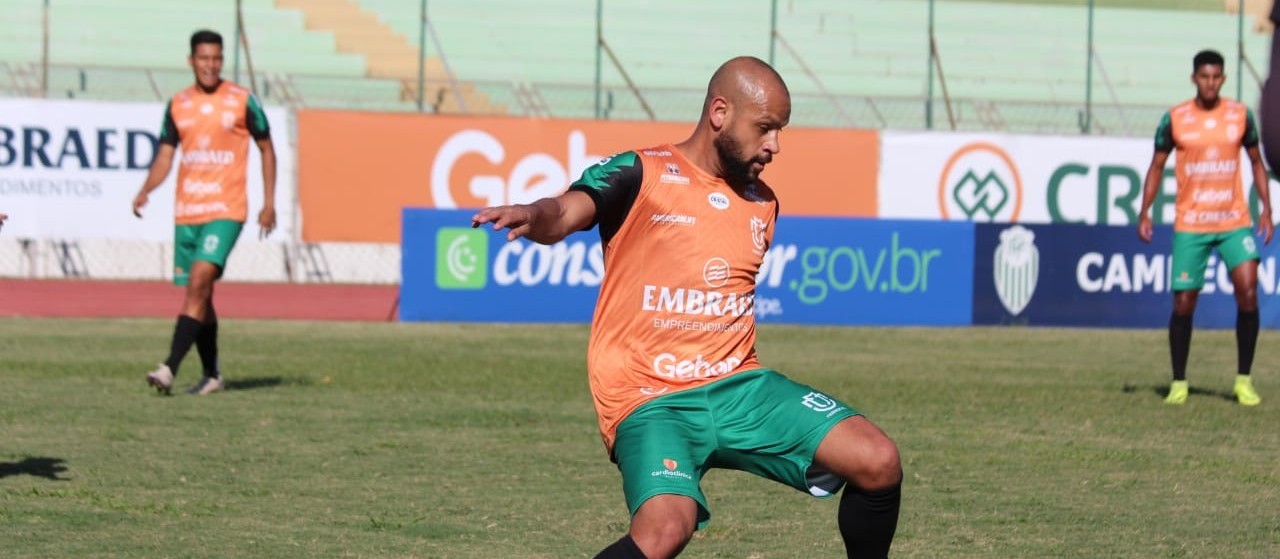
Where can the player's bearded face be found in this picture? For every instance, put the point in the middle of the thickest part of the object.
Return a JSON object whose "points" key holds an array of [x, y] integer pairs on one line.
{"points": [[739, 167]]}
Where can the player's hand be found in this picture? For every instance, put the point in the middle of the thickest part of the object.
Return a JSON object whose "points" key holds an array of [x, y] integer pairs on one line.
{"points": [[266, 221], [518, 219], [139, 202], [1145, 230], [1265, 226]]}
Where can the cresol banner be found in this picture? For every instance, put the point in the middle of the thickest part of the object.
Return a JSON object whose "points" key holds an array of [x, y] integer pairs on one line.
{"points": [[70, 170], [1078, 275], [1005, 178], [818, 271]]}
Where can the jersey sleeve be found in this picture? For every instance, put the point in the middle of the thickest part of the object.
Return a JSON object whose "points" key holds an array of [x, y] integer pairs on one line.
{"points": [[1250, 138], [1164, 134], [169, 130], [255, 119], [613, 185]]}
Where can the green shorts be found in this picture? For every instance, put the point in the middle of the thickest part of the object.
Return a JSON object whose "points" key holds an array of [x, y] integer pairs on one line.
{"points": [[210, 242], [757, 421], [1191, 254]]}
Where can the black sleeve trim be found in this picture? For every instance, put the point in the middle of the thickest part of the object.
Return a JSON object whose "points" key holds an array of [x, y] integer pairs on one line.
{"points": [[168, 129]]}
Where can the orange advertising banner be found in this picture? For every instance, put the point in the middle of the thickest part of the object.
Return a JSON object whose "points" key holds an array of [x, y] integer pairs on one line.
{"points": [[357, 170]]}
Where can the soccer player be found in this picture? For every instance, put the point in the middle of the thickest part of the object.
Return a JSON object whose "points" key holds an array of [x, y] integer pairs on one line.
{"points": [[214, 121], [672, 365], [1212, 212]]}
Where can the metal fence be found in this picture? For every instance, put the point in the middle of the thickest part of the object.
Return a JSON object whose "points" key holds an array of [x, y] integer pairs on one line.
{"points": [[1015, 67], [1038, 67]]}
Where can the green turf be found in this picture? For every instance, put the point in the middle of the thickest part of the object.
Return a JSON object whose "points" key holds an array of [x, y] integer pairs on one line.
{"points": [[478, 441]]}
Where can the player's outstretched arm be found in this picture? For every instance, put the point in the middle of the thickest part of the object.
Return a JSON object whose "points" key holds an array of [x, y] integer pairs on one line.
{"points": [[159, 170], [546, 221]]}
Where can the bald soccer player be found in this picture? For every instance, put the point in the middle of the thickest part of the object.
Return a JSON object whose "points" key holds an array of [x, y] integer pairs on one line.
{"points": [[672, 363]]}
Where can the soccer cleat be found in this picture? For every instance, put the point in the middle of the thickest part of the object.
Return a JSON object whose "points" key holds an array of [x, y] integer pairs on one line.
{"points": [[1245, 394], [161, 379], [1177, 393], [206, 386]]}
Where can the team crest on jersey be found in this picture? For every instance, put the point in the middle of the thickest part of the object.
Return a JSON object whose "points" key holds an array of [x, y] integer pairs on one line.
{"points": [[758, 229]]}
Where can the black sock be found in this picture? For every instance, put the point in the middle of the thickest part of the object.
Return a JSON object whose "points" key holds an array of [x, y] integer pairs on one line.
{"points": [[1179, 344], [1246, 340], [207, 344], [624, 548], [185, 333], [868, 520]]}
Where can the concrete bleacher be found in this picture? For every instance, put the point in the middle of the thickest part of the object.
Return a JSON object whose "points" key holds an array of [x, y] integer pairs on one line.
{"points": [[1011, 54], [848, 62], [149, 34]]}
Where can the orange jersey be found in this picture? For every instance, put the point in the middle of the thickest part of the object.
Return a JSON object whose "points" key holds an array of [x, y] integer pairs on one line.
{"points": [[214, 130], [681, 252], [1207, 164]]}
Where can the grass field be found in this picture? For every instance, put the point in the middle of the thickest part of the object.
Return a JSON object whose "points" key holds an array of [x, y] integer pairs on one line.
{"points": [[478, 441]]}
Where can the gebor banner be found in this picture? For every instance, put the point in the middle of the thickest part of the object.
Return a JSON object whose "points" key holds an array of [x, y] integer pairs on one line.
{"points": [[818, 271], [1077, 275], [357, 170], [1028, 179], [70, 170]]}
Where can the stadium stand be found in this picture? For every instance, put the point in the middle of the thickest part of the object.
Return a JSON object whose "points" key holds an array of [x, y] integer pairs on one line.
{"points": [[1013, 66]]}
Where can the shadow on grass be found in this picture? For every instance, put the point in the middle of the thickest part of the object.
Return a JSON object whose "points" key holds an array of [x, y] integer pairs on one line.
{"points": [[254, 383], [1162, 390], [37, 466]]}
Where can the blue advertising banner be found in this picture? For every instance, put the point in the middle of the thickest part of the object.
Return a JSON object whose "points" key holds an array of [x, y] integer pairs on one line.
{"points": [[1082, 275], [451, 272], [819, 271], [867, 272]]}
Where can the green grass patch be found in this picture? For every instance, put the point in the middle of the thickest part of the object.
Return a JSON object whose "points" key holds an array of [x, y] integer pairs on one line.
{"points": [[479, 441]]}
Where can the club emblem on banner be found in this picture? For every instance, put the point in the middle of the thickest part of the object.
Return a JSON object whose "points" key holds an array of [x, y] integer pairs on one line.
{"points": [[1017, 267]]}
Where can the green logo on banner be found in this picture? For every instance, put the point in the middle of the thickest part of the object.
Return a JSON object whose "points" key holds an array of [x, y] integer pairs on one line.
{"points": [[987, 194], [461, 258]]}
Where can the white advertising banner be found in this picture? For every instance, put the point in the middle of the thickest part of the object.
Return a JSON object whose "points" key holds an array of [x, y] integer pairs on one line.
{"points": [[70, 170], [1028, 179]]}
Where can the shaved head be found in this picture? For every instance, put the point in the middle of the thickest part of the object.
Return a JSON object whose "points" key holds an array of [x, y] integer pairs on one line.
{"points": [[747, 105], [746, 80]]}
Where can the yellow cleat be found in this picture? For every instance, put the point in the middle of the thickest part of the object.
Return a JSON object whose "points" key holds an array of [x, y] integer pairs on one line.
{"points": [[1245, 394], [1177, 393]]}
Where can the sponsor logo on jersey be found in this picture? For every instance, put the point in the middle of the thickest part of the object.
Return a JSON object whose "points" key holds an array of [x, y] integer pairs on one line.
{"points": [[674, 219], [718, 200]]}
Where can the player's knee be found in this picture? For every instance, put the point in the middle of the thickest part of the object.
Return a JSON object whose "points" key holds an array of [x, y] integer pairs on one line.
{"points": [[1247, 298], [663, 537], [882, 466]]}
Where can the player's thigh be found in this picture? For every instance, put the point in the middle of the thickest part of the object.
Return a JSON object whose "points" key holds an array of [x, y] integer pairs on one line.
{"points": [[662, 449], [215, 242], [772, 426], [184, 251], [1190, 259], [1237, 247]]}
